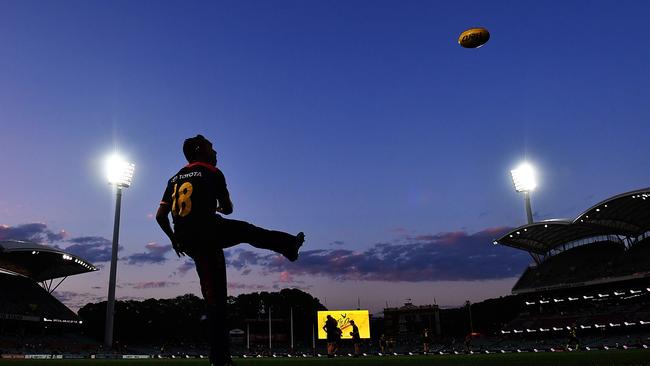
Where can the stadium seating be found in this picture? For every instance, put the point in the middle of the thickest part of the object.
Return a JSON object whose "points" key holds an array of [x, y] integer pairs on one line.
{"points": [[22, 296], [576, 265]]}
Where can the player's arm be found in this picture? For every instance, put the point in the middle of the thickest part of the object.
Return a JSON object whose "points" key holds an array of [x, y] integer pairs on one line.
{"points": [[225, 204], [162, 217], [223, 196]]}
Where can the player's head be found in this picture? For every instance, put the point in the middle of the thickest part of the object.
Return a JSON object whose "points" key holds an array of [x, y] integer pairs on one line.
{"points": [[352, 322], [198, 148]]}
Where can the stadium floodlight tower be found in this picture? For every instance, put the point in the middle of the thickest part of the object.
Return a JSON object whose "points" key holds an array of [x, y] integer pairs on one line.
{"points": [[120, 174], [525, 181]]}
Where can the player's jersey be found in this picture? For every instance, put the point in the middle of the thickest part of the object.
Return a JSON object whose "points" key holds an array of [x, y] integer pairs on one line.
{"points": [[192, 194]]}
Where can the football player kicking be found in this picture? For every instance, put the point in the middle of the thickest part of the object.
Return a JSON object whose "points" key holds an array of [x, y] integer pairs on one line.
{"points": [[194, 196]]}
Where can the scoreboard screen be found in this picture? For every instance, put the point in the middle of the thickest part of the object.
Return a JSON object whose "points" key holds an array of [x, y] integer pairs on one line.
{"points": [[361, 319]]}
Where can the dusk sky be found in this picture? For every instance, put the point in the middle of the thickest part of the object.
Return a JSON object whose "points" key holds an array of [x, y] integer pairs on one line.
{"points": [[362, 123]]}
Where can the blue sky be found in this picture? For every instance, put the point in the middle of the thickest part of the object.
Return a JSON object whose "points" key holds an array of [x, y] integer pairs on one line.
{"points": [[361, 123]]}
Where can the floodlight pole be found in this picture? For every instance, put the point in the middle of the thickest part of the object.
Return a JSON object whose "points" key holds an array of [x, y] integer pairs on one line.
{"points": [[529, 211], [313, 339], [469, 309], [291, 329], [110, 304]]}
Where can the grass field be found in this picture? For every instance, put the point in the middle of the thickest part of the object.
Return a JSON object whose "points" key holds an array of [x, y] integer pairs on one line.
{"points": [[630, 357]]}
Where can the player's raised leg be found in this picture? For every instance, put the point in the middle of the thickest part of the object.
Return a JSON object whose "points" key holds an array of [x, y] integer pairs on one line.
{"points": [[233, 232]]}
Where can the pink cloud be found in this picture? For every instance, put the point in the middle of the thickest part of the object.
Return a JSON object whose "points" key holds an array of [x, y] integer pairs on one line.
{"points": [[285, 277]]}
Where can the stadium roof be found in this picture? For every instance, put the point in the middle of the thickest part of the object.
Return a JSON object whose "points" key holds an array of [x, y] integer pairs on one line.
{"points": [[624, 215], [39, 262], [627, 213]]}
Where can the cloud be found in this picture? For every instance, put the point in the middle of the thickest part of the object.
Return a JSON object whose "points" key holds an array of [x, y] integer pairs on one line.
{"points": [[285, 277], [91, 248], [241, 258], [444, 256], [36, 232], [152, 284], [286, 280], [247, 287], [188, 265], [337, 242], [155, 254], [75, 300]]}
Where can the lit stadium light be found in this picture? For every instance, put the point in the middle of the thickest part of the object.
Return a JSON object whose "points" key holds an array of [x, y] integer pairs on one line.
{"points": [[524, 179], [119, 171]]}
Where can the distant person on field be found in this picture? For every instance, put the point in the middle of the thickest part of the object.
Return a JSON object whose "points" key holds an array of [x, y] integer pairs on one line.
{"points": [[425, 340], [194, 196], [333, 331], [356, 339], [573, 338], [382, 344], [468, 343]]}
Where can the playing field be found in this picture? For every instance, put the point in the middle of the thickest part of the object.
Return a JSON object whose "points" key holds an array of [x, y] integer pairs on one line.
{"points": [[630, 357]]}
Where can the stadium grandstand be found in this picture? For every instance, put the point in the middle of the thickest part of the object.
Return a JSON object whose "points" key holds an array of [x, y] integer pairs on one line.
{"points": [[28, 309], [590, 276]]}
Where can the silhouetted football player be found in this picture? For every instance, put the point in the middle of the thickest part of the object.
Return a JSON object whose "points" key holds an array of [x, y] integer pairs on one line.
{"points": [[194, 196]]}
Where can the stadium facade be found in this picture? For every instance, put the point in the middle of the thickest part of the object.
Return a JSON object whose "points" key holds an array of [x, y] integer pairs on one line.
{"points": [[406, 324]]}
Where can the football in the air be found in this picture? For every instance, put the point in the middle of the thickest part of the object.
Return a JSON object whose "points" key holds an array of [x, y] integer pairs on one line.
{"points": [[474, 37]]}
